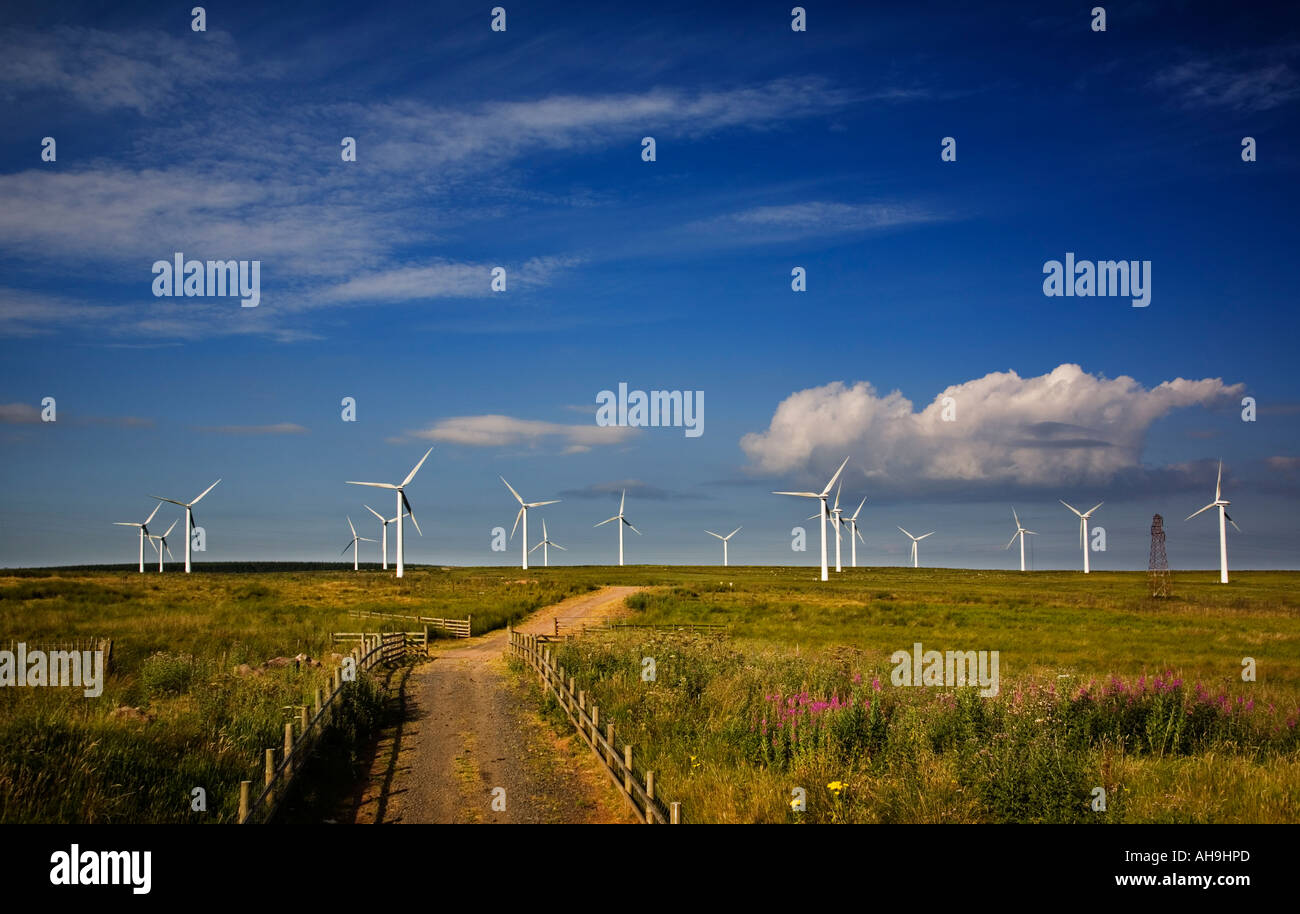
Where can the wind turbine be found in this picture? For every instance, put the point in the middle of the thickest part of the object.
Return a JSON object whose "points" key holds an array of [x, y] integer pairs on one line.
{"points": [[160, 543], [724, 542], [835, 516], [144, 531], [403, 505], [189, 518], [821, 496], [385, 521], [523, 514], [854, 533], [546, 541], [1222, 504], [1022, 533], [353, 543], [1083, 529], [619, 517], [915, 540]]}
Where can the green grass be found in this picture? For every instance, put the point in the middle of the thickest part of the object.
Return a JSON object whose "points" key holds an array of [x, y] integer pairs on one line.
{"points": [[187, 653], [180, 643], [1034, 753]]}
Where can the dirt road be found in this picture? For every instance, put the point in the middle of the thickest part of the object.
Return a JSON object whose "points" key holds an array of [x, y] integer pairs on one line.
{"points": [[467, 733]]}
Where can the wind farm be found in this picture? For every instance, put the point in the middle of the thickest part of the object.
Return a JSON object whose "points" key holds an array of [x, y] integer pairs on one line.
{"points": [[658, 260]]}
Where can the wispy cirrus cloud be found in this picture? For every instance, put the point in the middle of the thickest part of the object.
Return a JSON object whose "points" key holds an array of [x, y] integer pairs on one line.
{"points": [[277, 428], [1265, 80], [788, 222], [19, 414], [636, 488], [495, 430]]}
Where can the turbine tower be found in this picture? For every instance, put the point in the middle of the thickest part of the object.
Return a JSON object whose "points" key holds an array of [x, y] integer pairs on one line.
{"points": [[385, 521], [523, 515], [403, 505], [1158, 564], [854, 533], [915, 540], [160, 543], [189, 518], [724, 542], [821, 496], [619, 517], [546, 541], [1083, 530], [1222, 504], [1021, 532], [144, 531], [353, 545]]}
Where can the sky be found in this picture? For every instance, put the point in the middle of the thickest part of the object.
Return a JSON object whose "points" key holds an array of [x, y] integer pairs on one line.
{"points": [[774, 149]]}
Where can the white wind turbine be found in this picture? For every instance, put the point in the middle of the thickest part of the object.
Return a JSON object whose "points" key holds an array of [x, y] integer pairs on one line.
{"points": [[1222, 504], [619, 517], [546, 541], [724, 542], [854, 533], [523, 514], [353, 544], [189, 518], [1022, 533], [144, 531], [821, 496], [385, 521], [160, 543], [835, 516], [403, 507], [915, 540], [1083, 530]]}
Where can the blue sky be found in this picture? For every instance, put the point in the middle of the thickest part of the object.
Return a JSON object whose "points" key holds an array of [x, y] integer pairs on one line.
{"points": [[775, 149]]}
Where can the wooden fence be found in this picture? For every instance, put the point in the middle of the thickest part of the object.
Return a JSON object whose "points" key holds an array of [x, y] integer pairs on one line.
{"points": [[66, 644], [411, 641], [459, 628], [302, 735], [637, 788]]}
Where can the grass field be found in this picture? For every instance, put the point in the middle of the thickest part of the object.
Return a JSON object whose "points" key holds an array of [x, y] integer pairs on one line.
{"points": [[1101, 686], [190, 705]]}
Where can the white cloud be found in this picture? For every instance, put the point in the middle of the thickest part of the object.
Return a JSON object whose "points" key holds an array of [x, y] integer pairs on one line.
{"points": [[1066, 426], [278, 428], [19, 414], [812, 219], [1230, 84]]}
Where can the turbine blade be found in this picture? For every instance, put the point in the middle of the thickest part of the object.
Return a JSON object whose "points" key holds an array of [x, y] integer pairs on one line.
{"points": [[900, 528], [838, 490], [924, 535], [377, 485], [827, 490], [516, 526], [1017, 517], [1231, 521], [169, 552], [169, 530], [711, 533], [860, 504], [1088, 513], [347, 547], [1206, 508], [1071, 507], [352, 528], [538, 504], [410, 512], [734, 532], [800, 494], [376, 514], [538, 546], [123, 523], [604, 522], [204, 492], [634, 529], [152, 513], [1012, 540], [622, 501], [512, 490], [411, 475], [170, 500], [558, 546], [1218, 483]]}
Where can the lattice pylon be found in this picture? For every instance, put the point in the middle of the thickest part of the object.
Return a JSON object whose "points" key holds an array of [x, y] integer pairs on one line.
{"points": [[1158, 566]]}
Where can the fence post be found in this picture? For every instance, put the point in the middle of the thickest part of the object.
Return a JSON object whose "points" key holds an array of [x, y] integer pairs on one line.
{"points": [[675, 814], [609, 746], [650, 797], [469, 618], [627, 765], [302, 722], [320, 702], [290, 761], [270, 774], [243, 800]]}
